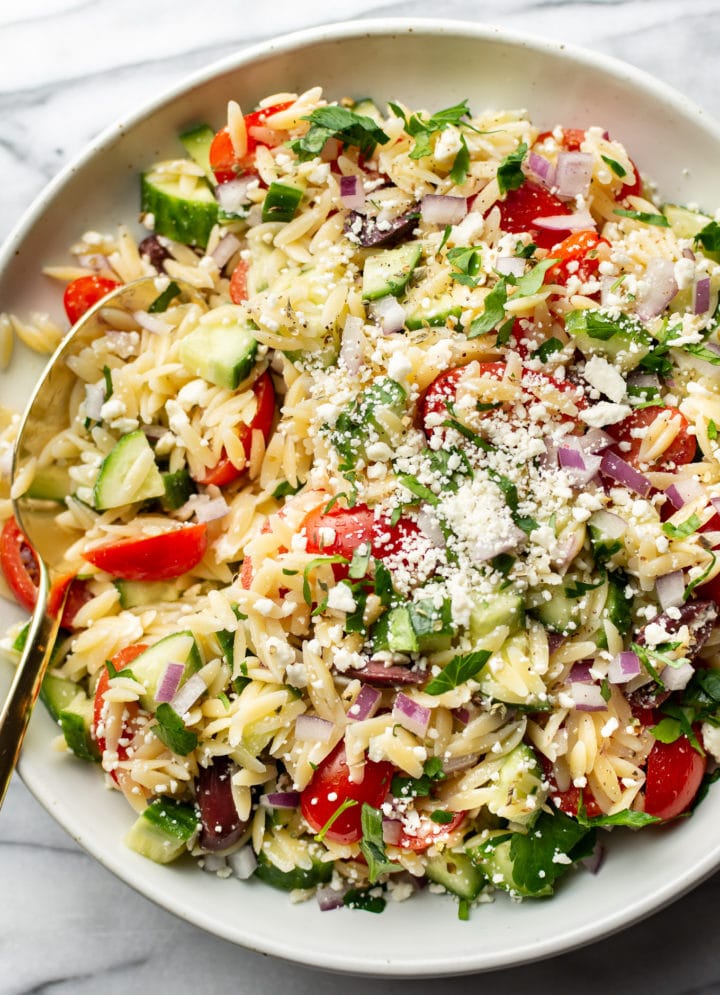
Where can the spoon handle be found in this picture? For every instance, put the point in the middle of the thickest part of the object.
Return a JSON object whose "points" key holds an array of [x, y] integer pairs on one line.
{"points": [[25, 686]]}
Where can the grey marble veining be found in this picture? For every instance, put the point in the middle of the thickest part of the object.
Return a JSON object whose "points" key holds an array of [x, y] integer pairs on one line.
{"points": [[68, 69]]}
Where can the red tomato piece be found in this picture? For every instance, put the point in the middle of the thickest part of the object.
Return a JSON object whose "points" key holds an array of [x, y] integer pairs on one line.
{"points": [[434, 401], [81, 294], [78, 595], [224, 163], [339, 531], [121, 660], [577, 255], [572, 138], [19, 564], [521, 207], [430, 832], [673, 777], [633, 429], [225, 472], [331, 786], [238, 283], [158, 557]]}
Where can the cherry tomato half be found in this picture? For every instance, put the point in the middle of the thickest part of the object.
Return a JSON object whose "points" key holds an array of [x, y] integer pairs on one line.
{"points": [[238, 283], [571, 140], [77, 596], [224, 163], [331, 786], [568, 801], [633, 429], [434, 402], [673, 777], [577, 255], [158, 557], [521, 207], [121, 660], [19, 564], [225, 472], [81, 294], [430, 832]]}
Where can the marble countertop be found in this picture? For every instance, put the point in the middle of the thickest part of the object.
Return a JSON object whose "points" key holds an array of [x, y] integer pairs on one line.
{"points": [[69, 68]]}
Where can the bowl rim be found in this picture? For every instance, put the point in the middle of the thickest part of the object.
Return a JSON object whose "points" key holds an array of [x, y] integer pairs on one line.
{"points": [[533, 950]]}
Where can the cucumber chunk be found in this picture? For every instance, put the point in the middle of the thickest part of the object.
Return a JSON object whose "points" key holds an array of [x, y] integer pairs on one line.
{"points": [[419, 627], [368, 108], [221, 349], [50, 483], [506, 608], [316, 872], [621, 341], [112, 489], [150, 665], [138, 593], [57, 693], [684, 222], [184, 217], [75, 721], [197, 142], [372, 417], [388, 272], [281, 202], [456, 873], [163, 830], [492, 855], [520, 793], [178, 488], [561, 613]]}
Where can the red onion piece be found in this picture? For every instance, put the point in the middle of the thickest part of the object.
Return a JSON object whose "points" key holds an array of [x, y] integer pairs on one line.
{"points": [[436, 209], [392, 830], [329, 898], [94, 400], [454, 764], [365, 705], [514, 265], [670, 589], [411, 715], [352, 343], [621, 472], [715, 502], [226, 249], [594, 440], [657, 288], [281, 799], [352, 193], [580, 221], [540, 169], [581, 467], [688, 254], [594, 862], [701, 295], [170, 681], [624, 667], [188, 694], [462, 715], [210, 510], [243, 863], [685, 490], [677, 678], [580, 673], [232, 196], [390, 313], [587, 697], [573, 173], [312, 727]]}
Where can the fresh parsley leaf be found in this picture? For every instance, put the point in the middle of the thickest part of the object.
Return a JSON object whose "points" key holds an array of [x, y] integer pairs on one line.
{"points": [[442, 817], [418, 787], [504, 332], [446, 235], [113, 672], [644, 216], [346, 804], [531, 282], [705, 787], [286, 489], [712, 430], [667, 730], [383, 583], [466, 263], [413, 485], [681, 719], [162, 303], [372, 844], [598, 325], [503, 563], [685, 529], [648, 660], [316, 562], [580, 587], [546, 349], [494, 311], [525, 523], [459, 670], [699, 580], [605, 690], [461, 164], [239, 684], [421, 129], [468, 434], [510, 175], [614, 165], [349, 128], [361, 898], [709, 237], [628, 817], [702, 352], [440, 461], [107, 375], [534, 855], [170, 730]]}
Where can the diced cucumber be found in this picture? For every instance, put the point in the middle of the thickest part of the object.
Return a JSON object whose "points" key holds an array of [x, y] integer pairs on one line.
{"points": [[618, 607], [394, 632], [319, 871], [368, 108], [111, 490], [50, 483], [57, 693], [505, 608], [150, 665], [509, 675], [684, 222], [520, 793], [561, 613], [197, 142], [138, 593], [75, 721], [622, 340], [162, 832], [419, 627], [436, 315], [493, 859], [179, 485], [184, 217], [456, 873], [604, 545], [281, 202], [388, 272], [221, 349]]}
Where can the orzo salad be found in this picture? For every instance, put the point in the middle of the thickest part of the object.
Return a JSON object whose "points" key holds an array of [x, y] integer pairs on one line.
{"points": [[392, 556]]}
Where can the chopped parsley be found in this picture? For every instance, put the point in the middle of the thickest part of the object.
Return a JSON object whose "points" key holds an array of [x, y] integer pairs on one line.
{"points": [[346, 126], [418, 787], [162, 303], [343, 807], [466, 265], [459, 670], [372, 844], [535, 864], [659, 220], [364, 899], [286, 489], [170, 730], [709, 237], [614, 165], [113, 672], [422, 129], [547, 348], [712, 430], [107, 375], [510, 175]]}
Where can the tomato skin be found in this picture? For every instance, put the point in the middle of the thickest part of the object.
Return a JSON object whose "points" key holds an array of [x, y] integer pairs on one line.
{"points": [[575, 249], [351, 527], [224, 163], [434, 400], [19, 564], [119, 662], [81, 294], [430, 832], [673, 777], [159, 557], [520, 208], [78, 595], [572, 138], [331, 786], [680, 451], [225, 472], [238, 283]]}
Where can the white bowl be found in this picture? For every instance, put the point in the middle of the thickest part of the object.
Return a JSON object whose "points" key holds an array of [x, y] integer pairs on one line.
{"points": [[425, 64]]}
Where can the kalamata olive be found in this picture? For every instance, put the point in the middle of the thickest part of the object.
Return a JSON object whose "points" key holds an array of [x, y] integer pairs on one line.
{"points": [[221, 824], [154, 251], [379, 675], [370, 233]]}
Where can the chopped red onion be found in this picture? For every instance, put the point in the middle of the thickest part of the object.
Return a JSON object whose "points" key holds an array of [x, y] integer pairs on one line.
{"points": [[152, 323], [352, 343], [688, 254], [365, 705], [540, 168], [594, 862], [411, 715], [437, 209], [390, 313], [232, 196], [94, 400], [430, 527], [701, 295], [580, 221], [620, 471], [657, 288], [462, 714], [555, 641], [594, 440], [573, 173], [281, 799], [624, 667], [210, 510], [677, 678], [582, 467], [685, 490], [225, 249], [392, 830], [312, 727], [587, 697], [329, 898], [452, 765], [352, 193], [243, 862], [170, 681], [514, 265], [580, 673], [188, 694], [670, 589]]}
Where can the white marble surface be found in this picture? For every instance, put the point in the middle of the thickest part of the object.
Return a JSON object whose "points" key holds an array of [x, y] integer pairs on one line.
{"points": [[68, 69]]}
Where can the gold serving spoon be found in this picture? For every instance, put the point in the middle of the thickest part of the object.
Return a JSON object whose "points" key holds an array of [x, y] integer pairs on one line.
{"points": [[45, 415]]}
